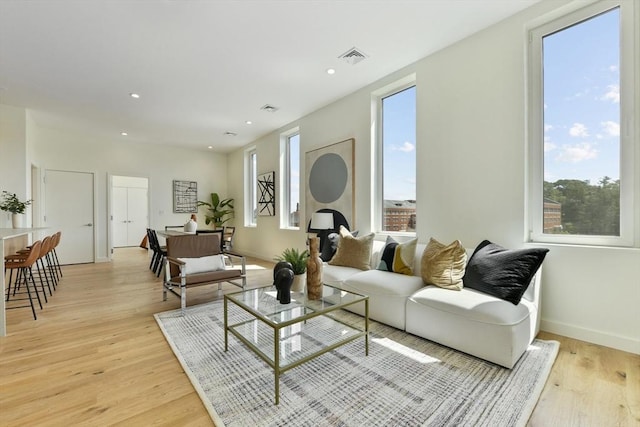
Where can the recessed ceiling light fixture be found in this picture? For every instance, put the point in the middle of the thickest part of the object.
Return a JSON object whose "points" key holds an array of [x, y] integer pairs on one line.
{"points": [[269, 108], [331, 71], [249, 122], [210, 147], [227, 133], [134, 95], [124, 133]]}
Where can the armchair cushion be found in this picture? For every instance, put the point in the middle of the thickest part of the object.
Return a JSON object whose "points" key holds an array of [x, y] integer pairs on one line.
{"points": [[203, 264]]}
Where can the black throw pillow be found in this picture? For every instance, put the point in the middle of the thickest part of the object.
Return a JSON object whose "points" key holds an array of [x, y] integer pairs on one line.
{"points": [[503, 273]]}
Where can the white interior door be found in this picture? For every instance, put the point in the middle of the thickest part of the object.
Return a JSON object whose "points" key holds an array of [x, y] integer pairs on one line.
{"points": [[120, 217], [69, 203], [137, 215]]}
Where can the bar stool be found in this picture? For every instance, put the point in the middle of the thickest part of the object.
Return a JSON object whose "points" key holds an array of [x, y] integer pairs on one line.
{"points": [[25, 272]]}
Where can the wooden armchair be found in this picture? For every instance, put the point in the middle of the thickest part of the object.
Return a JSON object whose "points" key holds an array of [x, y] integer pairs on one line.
{"points": [[196, 260]]}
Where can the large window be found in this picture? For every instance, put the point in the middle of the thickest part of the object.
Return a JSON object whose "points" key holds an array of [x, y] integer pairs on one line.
{"points": [[581, 87], [290, 179], [396, 165], [250, 186]]}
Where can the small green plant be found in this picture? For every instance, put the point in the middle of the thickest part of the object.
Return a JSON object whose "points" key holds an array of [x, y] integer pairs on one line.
{"points": [[11, 203], [297, 259], [220, 211]]}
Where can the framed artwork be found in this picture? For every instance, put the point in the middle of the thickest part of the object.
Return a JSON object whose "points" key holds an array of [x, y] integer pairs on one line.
{"points": [[185, 196], [330, 180], [267, 194]]}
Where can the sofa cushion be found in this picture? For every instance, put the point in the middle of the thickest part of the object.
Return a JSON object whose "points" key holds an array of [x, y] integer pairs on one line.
{"points": [[398, 257], [443, 265], [383, 283], [353, 251], [473, 305], [501, 272]]}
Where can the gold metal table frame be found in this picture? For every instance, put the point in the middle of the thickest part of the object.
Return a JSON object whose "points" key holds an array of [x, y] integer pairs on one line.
{"points": [[290, 325]]}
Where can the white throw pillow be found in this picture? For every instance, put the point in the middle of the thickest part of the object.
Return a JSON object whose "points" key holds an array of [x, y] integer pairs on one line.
{"points": [[203, 264]]}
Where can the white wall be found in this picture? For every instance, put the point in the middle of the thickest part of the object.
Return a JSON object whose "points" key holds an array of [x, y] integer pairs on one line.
{"points": [[471, 162], [13, 156], [54, 149]]}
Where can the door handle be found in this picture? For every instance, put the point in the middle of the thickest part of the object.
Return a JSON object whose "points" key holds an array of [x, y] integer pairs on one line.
{"points": [[89, 225]]}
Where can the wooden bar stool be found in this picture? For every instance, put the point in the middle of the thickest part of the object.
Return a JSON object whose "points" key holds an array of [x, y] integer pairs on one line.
{"points": [[25, 273]]}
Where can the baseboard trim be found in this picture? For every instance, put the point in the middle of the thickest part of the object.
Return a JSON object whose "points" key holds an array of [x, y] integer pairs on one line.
{"points": [[590, 335], [102, 259]]}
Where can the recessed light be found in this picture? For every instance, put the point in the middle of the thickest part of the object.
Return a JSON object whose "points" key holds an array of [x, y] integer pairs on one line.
{"points": [[331, 71], [248, 122], [124, 133], [134, 95], [210, 147]]}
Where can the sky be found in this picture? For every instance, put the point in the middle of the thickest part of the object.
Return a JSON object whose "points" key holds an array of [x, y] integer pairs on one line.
{"points": [[399, 142], [582, 101]]}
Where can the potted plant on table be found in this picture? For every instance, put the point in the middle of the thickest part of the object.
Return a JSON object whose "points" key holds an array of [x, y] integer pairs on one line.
{"points": [[219, 211], [298, 261], [11, 203]]}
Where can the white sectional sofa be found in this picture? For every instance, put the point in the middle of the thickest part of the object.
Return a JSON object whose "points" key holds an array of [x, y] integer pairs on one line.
{"points": [[468, 320]]}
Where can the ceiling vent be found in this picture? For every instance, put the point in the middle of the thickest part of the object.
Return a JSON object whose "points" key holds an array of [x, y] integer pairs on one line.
{"points": [[353, 56], [269, 108], [228, 133]]}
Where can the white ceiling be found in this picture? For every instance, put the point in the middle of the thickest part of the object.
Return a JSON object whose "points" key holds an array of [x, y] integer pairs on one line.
{"points": [[203, 68]]}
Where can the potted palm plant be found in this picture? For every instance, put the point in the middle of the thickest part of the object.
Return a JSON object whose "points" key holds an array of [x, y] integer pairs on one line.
{"points": [[298, 261], [11, 203], [219, 210]]}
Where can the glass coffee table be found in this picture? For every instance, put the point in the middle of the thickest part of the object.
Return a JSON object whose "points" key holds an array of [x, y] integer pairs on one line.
{"points": [[288, 335]]}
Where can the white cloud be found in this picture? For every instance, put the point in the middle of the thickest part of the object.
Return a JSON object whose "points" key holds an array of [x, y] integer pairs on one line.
{"points": [[611, 128], [613, 68], [406, 147], [577, 153], [545, 105], [547, 127], [613, 94], [578, 130], [549, 146]]}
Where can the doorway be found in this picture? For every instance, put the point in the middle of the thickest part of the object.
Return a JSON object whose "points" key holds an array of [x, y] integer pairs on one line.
{"points": [[129, 210], [69, 208]]}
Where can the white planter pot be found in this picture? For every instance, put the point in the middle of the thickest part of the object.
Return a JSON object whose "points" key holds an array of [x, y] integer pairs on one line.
{"points": [[299, 281], [17, 220]]}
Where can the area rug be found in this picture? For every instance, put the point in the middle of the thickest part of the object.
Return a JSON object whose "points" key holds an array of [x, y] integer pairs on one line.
{"points": [[405, 380]]}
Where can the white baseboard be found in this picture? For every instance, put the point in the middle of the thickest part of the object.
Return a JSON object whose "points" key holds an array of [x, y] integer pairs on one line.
{"points": [[590, 335], [102, 259]]}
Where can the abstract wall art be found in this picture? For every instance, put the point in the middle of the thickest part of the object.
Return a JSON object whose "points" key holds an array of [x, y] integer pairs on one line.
{"points": [[267, 194], [330, 180], [185, 196]]}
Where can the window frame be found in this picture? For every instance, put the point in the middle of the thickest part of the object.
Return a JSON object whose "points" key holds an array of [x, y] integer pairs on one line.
{"points": [[629, 154], [377, 177], [286, 178], [250, 186]]}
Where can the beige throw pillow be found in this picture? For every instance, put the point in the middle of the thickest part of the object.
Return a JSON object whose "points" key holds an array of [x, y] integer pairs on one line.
{"points": [[443, 265], [353, 251]]}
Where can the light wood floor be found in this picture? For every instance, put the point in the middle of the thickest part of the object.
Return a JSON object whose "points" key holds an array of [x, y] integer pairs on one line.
{"points": [[96, 357]]}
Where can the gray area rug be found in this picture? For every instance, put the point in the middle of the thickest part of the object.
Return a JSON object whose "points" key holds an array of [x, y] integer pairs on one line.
{"points": [[405, 380]]}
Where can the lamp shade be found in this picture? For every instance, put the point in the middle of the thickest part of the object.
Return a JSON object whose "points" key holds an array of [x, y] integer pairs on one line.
{"points": [[322, 221]]}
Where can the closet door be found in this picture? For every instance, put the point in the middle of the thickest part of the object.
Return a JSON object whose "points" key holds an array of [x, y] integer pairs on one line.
{"points": [[120, 217], [137, 215]]}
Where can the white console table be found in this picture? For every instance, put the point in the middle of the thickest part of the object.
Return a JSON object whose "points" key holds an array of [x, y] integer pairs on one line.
{"points": [[6, 235]]}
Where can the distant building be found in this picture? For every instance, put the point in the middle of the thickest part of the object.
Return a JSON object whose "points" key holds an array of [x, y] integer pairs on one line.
{"points": [[294, 217], [399, 215], [552, 217]]}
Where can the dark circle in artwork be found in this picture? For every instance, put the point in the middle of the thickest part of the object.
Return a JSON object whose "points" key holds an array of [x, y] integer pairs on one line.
{"points": [[328, 178]]}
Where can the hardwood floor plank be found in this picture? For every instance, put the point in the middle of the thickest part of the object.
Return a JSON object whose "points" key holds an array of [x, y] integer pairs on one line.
{"points": [[96, 356]]}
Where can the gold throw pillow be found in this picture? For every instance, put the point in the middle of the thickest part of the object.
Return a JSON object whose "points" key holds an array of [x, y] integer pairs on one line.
{"points": [[353, 251], [443, 265]]}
